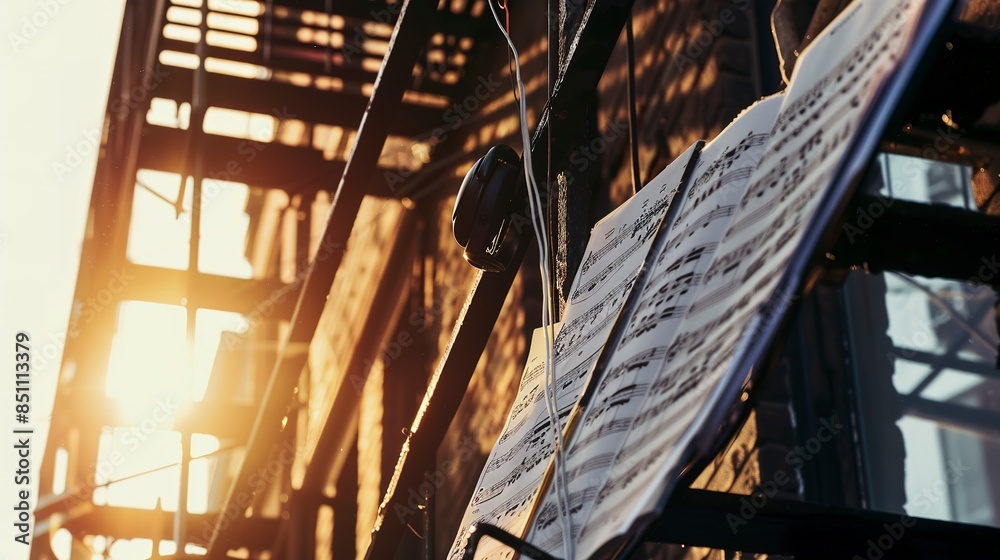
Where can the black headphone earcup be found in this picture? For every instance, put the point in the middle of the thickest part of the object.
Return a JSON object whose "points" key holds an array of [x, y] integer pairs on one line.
{"points": [[483, 209], [493, 216], [469, 195], [497, 155]]}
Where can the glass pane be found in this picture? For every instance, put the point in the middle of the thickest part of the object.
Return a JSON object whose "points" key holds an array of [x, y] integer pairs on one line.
{"points": [[224, 225], [145, 464], [209, 328], [200, 473], [157, 235], [924, 180], [150, 367], [941, 353]]}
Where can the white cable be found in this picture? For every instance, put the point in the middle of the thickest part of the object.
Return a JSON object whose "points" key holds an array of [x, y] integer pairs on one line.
{"points": [[538, 223], [534, 199]]}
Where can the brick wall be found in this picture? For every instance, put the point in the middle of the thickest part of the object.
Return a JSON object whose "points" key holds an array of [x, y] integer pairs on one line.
{"points": [[337, 336]]}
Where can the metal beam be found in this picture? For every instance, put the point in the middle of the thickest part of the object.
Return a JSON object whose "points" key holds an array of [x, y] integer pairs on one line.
{"points": [[375, 10], [133, 523], [260, 164], [726, 521], [949, 361], [444, 394], [288, 101], [105, 244], [339, 429], [336, 447], [224, 420], [409, 36], [591, 50], [289, 57], [976, 421], [370, 10], [931, 240], [208, 291], [301, 57]]}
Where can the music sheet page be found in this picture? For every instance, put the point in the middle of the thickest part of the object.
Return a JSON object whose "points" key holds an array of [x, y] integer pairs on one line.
{"points": [[619, 244], [836, 81], [708, 207]]}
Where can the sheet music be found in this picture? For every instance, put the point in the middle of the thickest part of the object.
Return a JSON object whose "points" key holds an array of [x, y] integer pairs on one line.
{"points": [[836, 81], [618, 246], [709, 205]]}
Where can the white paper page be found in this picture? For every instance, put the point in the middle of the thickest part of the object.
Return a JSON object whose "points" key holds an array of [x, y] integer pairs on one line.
{"points": [[718, 183], [619, 244], [836, 80]]}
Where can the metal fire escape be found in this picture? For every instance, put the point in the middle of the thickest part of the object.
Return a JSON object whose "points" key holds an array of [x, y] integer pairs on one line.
{"points": [[326, 74], [320, 69]]}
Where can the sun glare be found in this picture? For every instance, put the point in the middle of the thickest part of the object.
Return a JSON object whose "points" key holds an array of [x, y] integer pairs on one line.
{"points": [[150, 368], [155, 374]]}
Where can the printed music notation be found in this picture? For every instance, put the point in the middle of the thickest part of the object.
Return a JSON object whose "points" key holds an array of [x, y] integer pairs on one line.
{"points": [[509, 483], [740, 220], [530, 439], [517, 418], [539, 454], [638, 361], [618, 248], [585, 326], [620, 398], [837, 81], [676, 275], [548, 515], [720, 174], [644, 226]]}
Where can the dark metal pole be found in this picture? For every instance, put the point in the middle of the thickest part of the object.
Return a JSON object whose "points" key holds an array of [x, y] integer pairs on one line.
{"points": [[633, 119], [410, 35], [195, 162], [594, 44]]}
